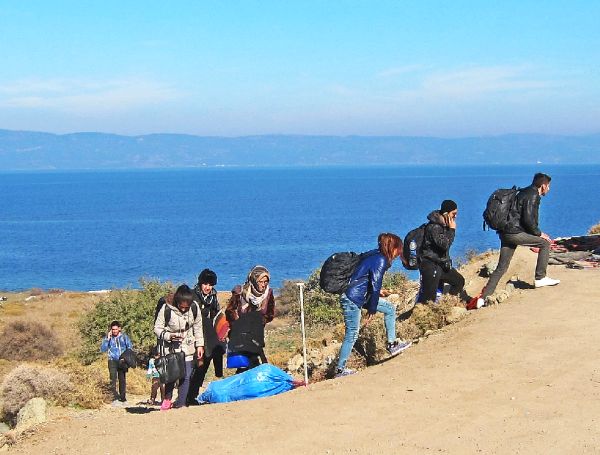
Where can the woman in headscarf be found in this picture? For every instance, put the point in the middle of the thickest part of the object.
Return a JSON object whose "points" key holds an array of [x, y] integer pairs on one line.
{"points": [[254, 296]]}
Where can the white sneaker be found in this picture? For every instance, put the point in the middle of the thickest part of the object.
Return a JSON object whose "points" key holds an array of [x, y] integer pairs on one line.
{"points": [[480, 303], [546, 281]]}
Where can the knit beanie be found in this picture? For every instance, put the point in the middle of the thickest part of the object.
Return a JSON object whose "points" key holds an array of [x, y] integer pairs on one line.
{"points": [[447, 206], [207, 276]]}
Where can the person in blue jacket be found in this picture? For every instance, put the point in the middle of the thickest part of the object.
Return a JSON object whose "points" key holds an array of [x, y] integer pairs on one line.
{"points": [[364, 291], [115, 343]]}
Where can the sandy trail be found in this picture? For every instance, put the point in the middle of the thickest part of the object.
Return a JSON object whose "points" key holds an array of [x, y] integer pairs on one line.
{"points": [[520, 377]]}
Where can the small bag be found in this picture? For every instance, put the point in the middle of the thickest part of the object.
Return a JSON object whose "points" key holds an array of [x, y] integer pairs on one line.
{"points": [[237, 360], [128, 359], [171, 366]]}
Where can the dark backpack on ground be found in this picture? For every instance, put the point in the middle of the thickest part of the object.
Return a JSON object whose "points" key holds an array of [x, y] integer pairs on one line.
{"points": [[412, 247], [163, 301], [497, 209], [337, 270]]}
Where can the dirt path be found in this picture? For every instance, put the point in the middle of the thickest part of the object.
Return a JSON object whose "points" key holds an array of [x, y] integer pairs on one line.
{"points": [[521, 377]]}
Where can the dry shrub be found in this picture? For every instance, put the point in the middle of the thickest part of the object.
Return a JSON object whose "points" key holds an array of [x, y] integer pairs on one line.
{"points": [[28, 381], [137, 384], [28, 340], [55, 291], [36, 291], [594, 229], [91, 387]]}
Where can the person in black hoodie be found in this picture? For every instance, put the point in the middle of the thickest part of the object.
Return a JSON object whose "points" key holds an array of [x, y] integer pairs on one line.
{"points": [[205, 296], [435, 264]]}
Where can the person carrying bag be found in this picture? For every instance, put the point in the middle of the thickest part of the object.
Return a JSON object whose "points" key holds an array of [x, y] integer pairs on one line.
{"points": [[178, 327]]}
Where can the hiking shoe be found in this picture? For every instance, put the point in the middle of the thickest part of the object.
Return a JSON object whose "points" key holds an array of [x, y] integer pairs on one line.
{"points": [[546, 281], [345, 372], [117, 404], [397, 347], [165, 405], [480, 303]]}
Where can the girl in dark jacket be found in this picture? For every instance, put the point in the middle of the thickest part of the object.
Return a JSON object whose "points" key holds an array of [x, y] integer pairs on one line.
{"points": [[364, 291], [435, 264]]}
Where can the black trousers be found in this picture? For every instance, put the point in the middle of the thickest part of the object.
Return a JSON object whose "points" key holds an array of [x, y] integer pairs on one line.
{"points": [[199, 373], [432, 275], [116, 373]]}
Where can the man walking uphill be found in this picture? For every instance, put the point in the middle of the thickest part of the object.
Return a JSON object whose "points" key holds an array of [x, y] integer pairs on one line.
{"points": [[522, 229], [115, 343]]}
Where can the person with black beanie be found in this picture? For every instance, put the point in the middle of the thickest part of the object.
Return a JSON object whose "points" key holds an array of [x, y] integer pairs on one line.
{"points": [[435, 264], [205, 296]]}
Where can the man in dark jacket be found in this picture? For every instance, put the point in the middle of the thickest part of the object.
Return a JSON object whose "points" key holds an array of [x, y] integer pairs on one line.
{"points": [[206, 297], [435, 264], [523, 229]]}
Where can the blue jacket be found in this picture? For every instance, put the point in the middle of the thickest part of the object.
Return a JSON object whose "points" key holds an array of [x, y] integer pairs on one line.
{"points": [[116, 346], [365, 282]]}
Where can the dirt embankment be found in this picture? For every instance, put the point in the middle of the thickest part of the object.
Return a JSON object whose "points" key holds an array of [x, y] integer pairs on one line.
{"points": [[520, 377]]}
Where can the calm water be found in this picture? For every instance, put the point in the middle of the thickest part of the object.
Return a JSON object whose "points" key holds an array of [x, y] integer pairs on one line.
{"points": [[97, 230]]}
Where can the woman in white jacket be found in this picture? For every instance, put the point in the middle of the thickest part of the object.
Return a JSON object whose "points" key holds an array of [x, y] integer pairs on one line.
{"points": [[179, 326]]}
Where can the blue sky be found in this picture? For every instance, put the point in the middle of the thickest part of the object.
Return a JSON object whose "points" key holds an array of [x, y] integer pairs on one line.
{"points": [[430, 68]]}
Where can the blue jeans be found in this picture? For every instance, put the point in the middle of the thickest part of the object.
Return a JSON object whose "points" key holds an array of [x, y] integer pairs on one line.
{"points": [[352, 315]]}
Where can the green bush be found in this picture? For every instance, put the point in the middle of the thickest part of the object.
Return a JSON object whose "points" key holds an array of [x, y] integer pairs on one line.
{"points": [[319, 306], [133, 308]]}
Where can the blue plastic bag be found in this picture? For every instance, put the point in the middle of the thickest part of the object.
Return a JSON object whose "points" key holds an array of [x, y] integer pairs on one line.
{"points": [[262, 381]]}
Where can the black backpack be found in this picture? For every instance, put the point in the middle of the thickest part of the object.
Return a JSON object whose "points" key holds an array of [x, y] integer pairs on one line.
{"points": [[337, 270], [163, 301], [497, 209], [412, 248]]}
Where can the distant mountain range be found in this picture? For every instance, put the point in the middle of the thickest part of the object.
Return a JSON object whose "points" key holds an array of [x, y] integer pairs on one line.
{"points": [[23, 150]]}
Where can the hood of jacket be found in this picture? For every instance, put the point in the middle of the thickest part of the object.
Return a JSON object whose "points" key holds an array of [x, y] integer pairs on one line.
{"points": [[436, 217]]}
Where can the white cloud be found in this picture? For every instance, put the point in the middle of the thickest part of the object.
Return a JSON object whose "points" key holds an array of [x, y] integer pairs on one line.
{"points": [[475, 82], [85, 96]]}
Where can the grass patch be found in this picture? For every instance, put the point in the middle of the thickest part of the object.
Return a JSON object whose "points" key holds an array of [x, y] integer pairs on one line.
{"points": [[12, 309]]}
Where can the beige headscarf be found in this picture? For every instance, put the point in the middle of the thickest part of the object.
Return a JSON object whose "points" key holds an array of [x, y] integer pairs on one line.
{"points": [[250, 292]]}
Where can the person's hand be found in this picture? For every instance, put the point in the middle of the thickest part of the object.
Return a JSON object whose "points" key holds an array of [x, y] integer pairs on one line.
{"points": [[450, 221], [200, 355], [545, 237], [368, 319], [384, 293], [109, 334]]}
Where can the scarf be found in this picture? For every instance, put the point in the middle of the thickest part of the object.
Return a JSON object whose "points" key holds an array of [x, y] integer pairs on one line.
{"points": [[250, 292]]}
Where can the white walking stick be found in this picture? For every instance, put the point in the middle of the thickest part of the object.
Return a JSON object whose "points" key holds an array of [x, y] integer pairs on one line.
{"points": [[301, 286]]}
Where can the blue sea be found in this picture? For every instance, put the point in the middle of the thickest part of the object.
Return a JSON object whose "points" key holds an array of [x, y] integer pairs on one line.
{"points": [[106, 229]]}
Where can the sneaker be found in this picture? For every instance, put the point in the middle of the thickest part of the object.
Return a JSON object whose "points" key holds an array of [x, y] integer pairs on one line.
{"points": [[165, 405], [345, 372], [397, 347], [117, 404], [546, 281]]}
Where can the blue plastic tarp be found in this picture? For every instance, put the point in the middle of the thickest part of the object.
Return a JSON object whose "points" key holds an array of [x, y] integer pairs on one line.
{"points": [[262, 381]]}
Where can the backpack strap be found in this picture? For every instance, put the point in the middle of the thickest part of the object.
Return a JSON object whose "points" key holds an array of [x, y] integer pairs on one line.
{"points": [[167, 315]]}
